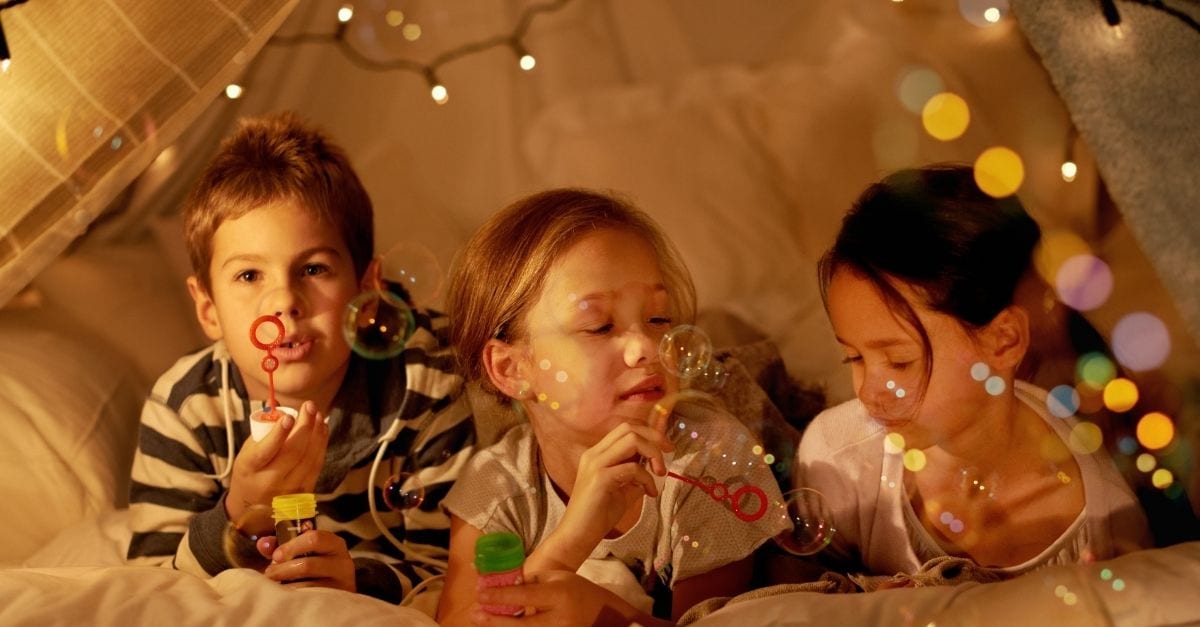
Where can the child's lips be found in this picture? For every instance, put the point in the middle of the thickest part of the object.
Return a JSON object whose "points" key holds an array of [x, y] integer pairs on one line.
{"points": [[293, 349], [646, 395]]}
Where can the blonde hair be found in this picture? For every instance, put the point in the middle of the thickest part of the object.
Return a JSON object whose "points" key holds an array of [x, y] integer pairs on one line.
{"points": [[277, 158], [501, 272]]}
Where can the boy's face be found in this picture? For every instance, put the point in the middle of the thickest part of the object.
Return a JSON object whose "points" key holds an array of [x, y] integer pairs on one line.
{"points": [[278, 259]]}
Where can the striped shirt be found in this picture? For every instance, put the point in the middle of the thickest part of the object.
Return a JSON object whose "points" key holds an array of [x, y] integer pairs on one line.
{"points": [[177, 510]]}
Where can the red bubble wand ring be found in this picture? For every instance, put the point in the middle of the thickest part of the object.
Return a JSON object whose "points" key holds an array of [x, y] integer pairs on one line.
{"points": [[720, 492]]}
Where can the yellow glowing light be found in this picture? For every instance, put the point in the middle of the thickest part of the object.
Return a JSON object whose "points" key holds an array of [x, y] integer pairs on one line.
{"points": [[439, 94], [4, 65], [527, 62], [946, 116], [1095, 370], [411, 32], [554, 405], [757, 450], [1069, 170], [394, 18], [992, 14], [914, 460], [1055, 248], [1155, 430], [1085, 438], [1162, 478], [893, 443], [60, 134], [768, 459], [1120, 395], [999, 172], [345, 13], [1146, 462], [541, 397], [233, 91]]}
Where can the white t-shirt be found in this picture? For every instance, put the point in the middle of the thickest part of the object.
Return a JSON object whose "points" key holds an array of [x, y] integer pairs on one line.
{"points": [[682, 533], [843, 456]]}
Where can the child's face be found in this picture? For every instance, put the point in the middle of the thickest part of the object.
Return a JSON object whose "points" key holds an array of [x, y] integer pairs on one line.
{"points": [[889, 365], [592, 349], [278, 259]]}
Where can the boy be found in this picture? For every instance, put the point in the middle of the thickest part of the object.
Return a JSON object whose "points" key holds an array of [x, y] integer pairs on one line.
{"points": [[280, 224]]}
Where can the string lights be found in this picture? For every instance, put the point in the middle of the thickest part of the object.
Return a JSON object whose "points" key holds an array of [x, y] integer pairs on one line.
{"points": [[428, 70], [1113, 16], [5, 56]]}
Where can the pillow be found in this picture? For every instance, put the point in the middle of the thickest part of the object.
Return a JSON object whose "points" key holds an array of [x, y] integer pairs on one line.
{"points": [[71, 408]]}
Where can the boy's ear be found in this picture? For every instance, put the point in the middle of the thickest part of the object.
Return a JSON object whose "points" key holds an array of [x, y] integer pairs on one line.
{"points": [[372, 279], [506, 366], [1006, 338], [206, 309]]}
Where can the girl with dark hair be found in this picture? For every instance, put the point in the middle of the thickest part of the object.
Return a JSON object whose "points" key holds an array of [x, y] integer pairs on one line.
{"points": [[944, 451]]}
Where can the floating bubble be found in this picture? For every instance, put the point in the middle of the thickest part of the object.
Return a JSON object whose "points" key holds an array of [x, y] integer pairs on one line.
{"points": [[1141, 341], [377, 324], [1084, 282], [403, 491], [812, 525], [1155, 430], [712, 378], [1120, 395], [242, 536], [415, 268], [1062, 401], [685, 351], [946, 116], [999, 172], [916, 86]]}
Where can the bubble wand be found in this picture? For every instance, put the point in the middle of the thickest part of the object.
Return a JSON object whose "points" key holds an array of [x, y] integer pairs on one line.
{"points": [[270, 362]]}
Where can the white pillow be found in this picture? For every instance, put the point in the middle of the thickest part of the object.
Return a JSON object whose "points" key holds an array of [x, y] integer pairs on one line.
{"points": [[70, 408]]}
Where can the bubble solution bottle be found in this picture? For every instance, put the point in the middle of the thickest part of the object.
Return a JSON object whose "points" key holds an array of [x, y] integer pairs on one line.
{"points": [[294, 514], [500, 560]]}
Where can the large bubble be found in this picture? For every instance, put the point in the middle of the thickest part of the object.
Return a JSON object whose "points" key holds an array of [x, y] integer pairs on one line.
{"points": [[811, 522], [417, 270], [685, 351], [377, 324], [242, 536], [403, 491]]}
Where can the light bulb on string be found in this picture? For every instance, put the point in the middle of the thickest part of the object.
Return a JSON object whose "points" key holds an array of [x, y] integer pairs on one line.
{"points": [[437, 90], [525, 60], [1069, 170], [233, 91], [5, 56], [345, 13]]}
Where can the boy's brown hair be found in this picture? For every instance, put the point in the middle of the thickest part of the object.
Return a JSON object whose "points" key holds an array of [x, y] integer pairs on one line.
{"points": [[501, 272], [274, 158]]}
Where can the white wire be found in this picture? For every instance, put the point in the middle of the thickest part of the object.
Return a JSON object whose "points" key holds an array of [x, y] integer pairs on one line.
{"points": [[228, 423], [409, 553]]}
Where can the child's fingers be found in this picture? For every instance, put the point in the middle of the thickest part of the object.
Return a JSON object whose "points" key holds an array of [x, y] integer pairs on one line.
{"points": [[634, 473], [315, 542], [261, 453], [625, 442], [296, 447]]}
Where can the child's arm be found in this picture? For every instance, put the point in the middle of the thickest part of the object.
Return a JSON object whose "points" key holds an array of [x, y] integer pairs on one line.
{"points": [[729, 580], [458, 595], [562, 598]]}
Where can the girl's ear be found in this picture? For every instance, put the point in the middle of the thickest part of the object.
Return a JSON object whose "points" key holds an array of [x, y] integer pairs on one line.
{"points": [[1006, 338], [506, 367], [206, 309]]}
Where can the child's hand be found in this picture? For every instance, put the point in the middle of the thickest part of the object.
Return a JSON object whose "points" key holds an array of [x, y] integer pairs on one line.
{"points": [[316, 558], [610, 474], [557, 598], [288, 460]]}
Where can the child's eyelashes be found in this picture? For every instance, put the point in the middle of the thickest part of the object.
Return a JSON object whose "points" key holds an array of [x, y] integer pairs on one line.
{"points": [[660, 321], [314, 269], [600, 330], [849, 359], [247, 276]]}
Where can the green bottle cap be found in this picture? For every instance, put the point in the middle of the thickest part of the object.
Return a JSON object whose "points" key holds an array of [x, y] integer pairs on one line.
{"points": [[498, 552]]}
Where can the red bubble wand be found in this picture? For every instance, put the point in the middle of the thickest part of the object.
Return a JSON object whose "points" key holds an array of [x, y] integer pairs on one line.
{"points": [[270, 362]]}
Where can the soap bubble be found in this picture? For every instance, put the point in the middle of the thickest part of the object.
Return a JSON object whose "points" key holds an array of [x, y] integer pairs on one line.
{"points": [[812, 525], [416, 269], [377, 324], [712, 378], [403, 491], [242, 536], [685, 351]]}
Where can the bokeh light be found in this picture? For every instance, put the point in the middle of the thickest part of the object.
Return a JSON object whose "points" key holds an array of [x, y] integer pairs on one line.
{"points": [[916, 86], [980, 371], [893, 443], [1062, 401], [1141, 342], [1120, 395], [1085, 438], [1095, 370], [1084, 282], [1155, 430], [1162, 478], [811, 528], [983, 13], [999, 172], [1055, 248], [1146, 462], [914, 460], [995, 385], [1069, 171], [946, 116]]}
